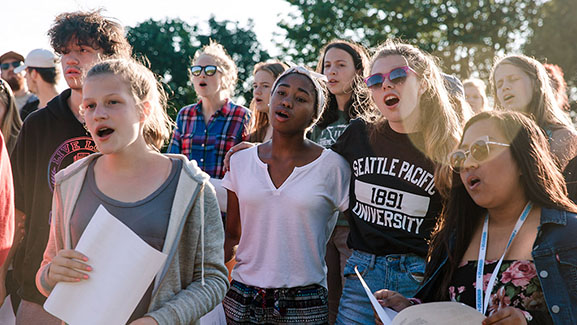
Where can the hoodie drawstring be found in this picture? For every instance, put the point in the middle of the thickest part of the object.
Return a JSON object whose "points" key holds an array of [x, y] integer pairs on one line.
{"points": [[201, 202]]}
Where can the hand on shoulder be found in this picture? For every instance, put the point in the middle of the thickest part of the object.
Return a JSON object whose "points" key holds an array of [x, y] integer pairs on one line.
{"points": [[241, 146]]}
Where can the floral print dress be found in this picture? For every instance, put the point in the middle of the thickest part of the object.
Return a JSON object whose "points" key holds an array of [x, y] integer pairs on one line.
{"points": [[516, 285]]}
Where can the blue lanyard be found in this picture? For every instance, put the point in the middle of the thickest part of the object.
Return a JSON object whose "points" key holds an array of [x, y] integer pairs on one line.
{"points": [[482, 305]]}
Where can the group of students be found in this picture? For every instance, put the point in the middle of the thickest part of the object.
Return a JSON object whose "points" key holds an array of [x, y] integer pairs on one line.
{"points": [[425, 195], [370, 164]]}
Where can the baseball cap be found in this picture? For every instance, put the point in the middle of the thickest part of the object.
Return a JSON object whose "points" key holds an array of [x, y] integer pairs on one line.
{"points": [[38, 58], [11, 55]]}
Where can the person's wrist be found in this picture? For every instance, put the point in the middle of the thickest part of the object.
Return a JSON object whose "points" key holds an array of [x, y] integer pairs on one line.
{"points": [[48, 278], [414, 301], [527, 315]]}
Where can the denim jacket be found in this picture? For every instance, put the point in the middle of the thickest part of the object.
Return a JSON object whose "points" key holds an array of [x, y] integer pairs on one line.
{"points": [[555, 257]]}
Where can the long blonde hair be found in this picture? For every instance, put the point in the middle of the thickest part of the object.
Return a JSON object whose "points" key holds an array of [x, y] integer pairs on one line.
{"points": [[260, 122], [543, 106], [229, 75], [481, 87], [11, 123], [438, 122], [144, 86]]}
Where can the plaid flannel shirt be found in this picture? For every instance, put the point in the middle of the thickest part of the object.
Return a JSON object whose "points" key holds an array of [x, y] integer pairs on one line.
{"points": [[207, 143]]}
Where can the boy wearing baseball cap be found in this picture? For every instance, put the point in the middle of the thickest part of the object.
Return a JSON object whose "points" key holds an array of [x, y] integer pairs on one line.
{"points": [[42, 76]]}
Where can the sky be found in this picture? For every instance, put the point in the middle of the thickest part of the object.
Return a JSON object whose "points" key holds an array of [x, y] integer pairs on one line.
{"points": [[23, 23]]}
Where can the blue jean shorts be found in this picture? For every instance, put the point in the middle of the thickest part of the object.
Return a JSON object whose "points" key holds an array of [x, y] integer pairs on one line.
{"points": [[402, 273]]}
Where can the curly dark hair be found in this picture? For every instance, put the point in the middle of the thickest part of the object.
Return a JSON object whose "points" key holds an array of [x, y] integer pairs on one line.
{"points": [[89, 29]]}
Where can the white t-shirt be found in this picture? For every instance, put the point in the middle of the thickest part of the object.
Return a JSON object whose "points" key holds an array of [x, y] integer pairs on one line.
{"points": [[285, 230]]}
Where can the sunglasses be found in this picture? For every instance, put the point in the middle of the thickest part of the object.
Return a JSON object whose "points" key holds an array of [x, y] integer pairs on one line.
{"points": [[209, 70], [396, 76], [479, 150], [6, 66]]}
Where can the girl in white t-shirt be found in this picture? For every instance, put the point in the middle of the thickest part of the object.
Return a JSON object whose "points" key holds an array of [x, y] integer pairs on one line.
{"points": [[284, 195]]}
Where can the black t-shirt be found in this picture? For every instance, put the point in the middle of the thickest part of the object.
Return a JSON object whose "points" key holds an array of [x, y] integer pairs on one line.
{"points": [[393, 200], [50, 140]]}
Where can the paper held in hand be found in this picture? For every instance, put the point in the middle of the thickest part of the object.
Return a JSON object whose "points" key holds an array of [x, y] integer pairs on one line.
{"points": [[123, 267], [433, 313]]}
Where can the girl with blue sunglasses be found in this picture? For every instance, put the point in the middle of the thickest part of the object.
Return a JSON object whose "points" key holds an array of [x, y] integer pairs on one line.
{"points": [[399, 174]]}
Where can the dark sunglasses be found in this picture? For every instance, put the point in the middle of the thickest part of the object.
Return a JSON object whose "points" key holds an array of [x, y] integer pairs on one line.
{"points": [[15, 64], [209, 70], [396, 76], [479, 150]]}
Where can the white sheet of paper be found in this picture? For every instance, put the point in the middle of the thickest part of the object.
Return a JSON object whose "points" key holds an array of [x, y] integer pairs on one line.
{"points": [[385, 314], [433, 313], [123, 268]]}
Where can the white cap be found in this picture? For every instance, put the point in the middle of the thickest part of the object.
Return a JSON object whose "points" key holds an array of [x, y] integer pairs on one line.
{"points": [[38, 58]]}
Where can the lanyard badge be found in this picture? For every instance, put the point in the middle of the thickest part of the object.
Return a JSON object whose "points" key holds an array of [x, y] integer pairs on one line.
{"points": [[482, 304]]}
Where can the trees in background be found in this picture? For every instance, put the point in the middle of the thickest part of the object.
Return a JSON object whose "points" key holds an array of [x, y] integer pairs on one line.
{"points": [[464, 34], [169, 46], [554, 37]]}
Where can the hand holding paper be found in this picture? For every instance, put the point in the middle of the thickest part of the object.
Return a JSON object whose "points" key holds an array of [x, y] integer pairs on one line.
{"points": [[445, 312], [66, 266], [124, 266], [385, 314]]}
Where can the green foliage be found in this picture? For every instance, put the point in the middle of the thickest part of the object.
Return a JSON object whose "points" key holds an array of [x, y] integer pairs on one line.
{"points": [[464, 34], [554, 37], [169, 46]]}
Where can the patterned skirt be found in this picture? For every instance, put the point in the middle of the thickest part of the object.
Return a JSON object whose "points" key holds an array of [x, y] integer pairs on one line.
{"points": [[299, 305]]}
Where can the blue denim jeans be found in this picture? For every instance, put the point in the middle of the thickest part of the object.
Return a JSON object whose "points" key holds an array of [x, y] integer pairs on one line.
{"points": [[400, 272]]}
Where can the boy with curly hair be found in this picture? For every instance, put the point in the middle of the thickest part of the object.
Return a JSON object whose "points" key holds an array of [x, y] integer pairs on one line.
{"points": [[50, 140]]}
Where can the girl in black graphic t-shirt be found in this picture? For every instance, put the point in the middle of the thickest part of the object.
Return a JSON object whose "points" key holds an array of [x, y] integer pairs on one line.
{"points": [[398, 175]]}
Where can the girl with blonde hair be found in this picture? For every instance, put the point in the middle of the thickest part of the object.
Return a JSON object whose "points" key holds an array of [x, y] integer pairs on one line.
{"points": [[475, 94], [10, 122], [264, 73], [205, 131], [399, 174], [521, 83], [164, 199]]}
